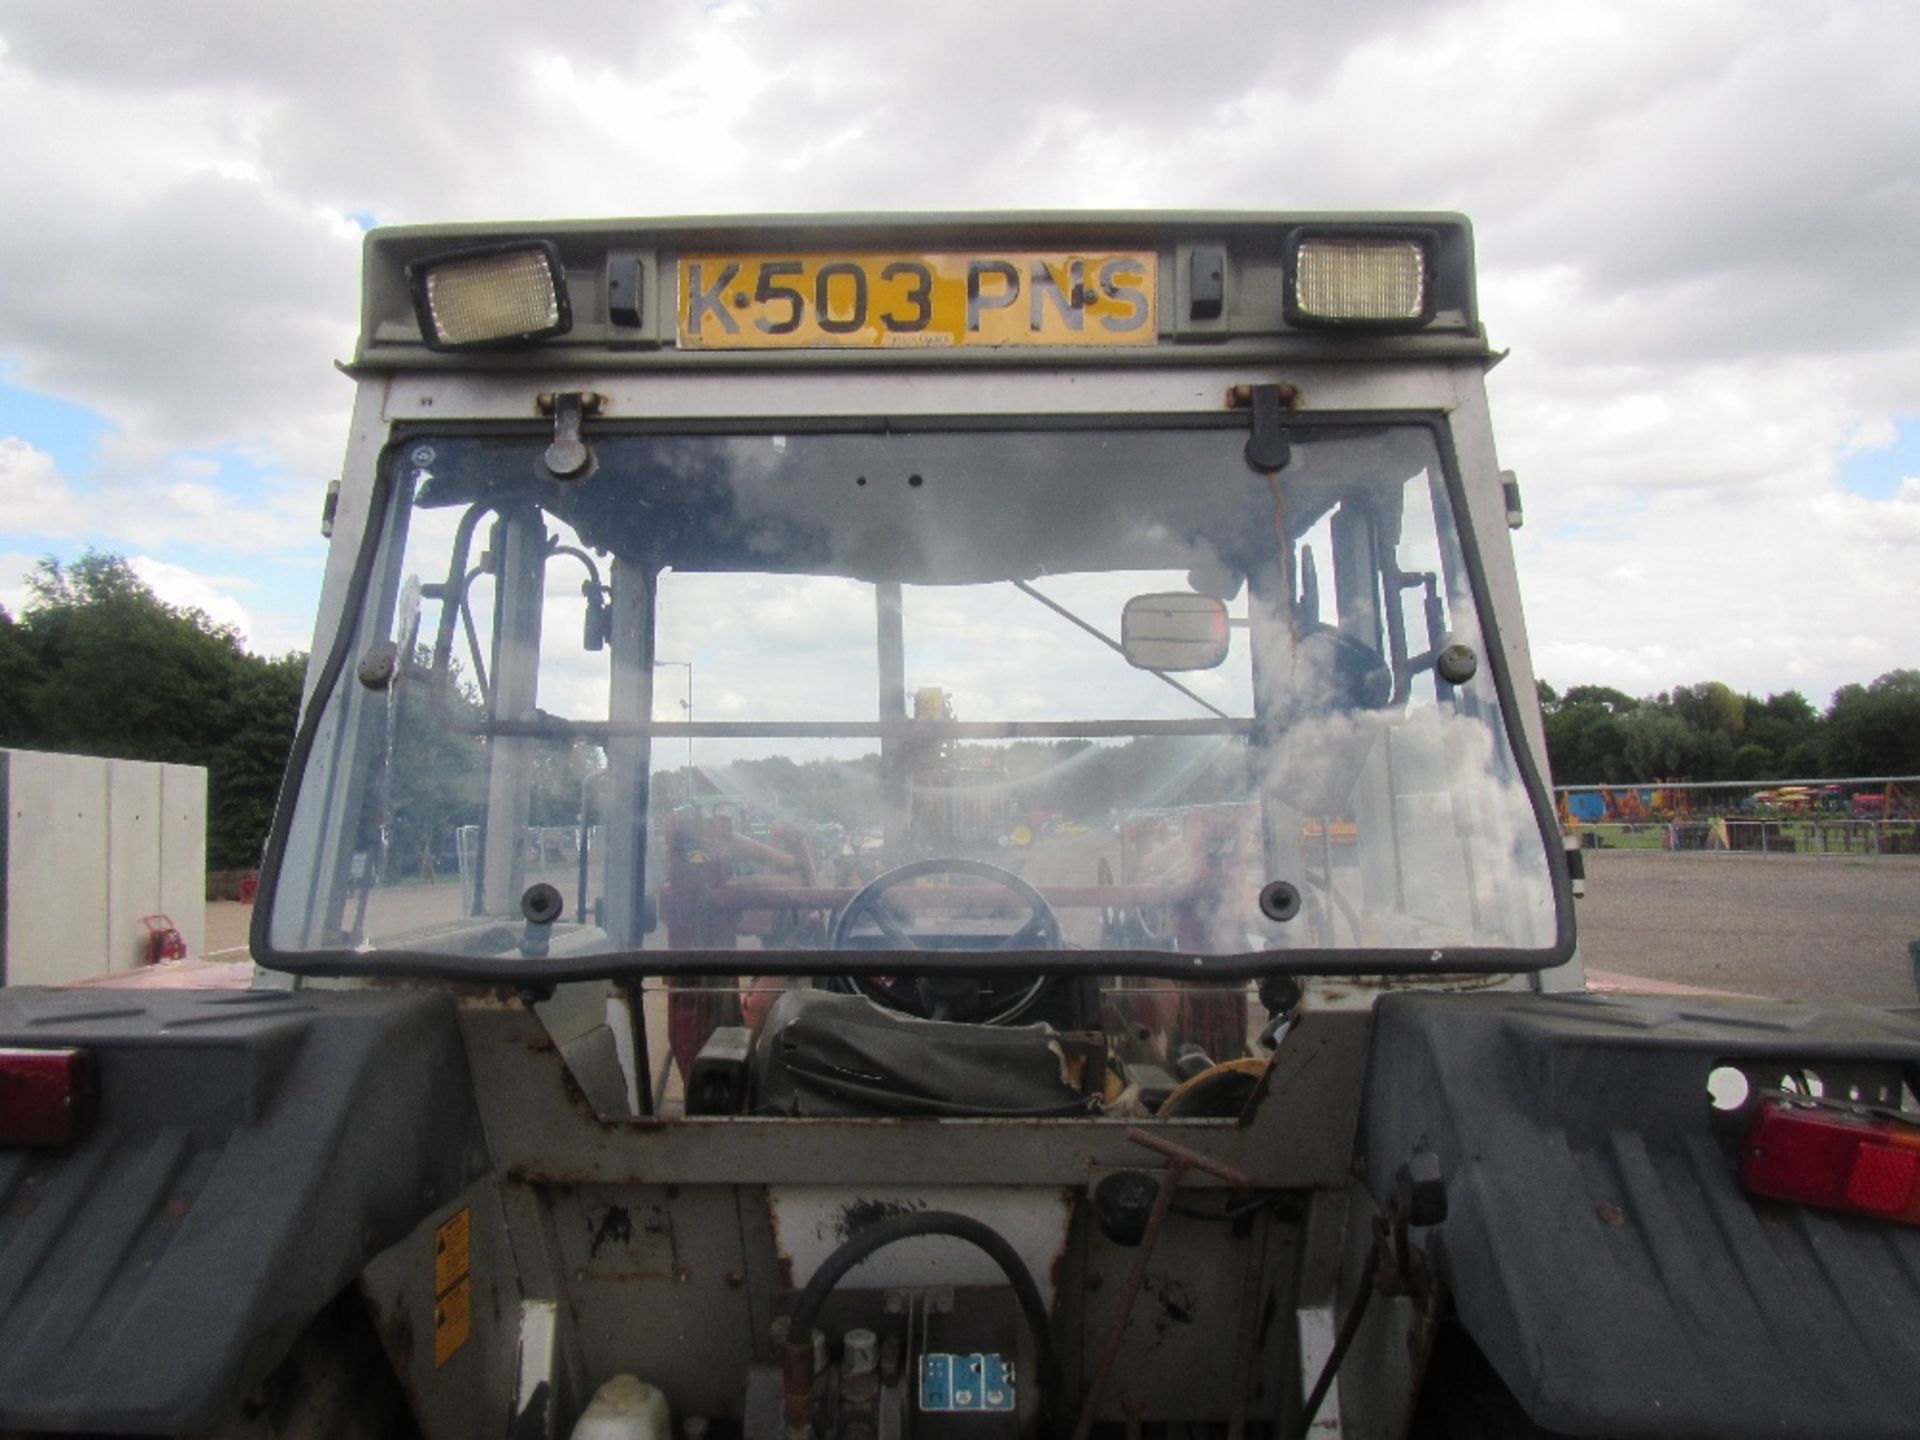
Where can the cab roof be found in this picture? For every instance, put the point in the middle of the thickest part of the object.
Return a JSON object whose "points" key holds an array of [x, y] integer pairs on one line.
{"points": [[624, 281]]}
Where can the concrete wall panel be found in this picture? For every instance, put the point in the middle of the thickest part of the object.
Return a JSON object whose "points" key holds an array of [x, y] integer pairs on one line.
{"points": [[133, 860], [91, 846], [183, 851], [56, 868]]}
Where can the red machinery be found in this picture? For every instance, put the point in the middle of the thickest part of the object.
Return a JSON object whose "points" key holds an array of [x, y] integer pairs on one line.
{"points": [[164, 941]]}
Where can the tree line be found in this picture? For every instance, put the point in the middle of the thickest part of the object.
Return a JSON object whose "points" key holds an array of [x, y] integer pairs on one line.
{"points": [[96, 664], [1708, 732]]}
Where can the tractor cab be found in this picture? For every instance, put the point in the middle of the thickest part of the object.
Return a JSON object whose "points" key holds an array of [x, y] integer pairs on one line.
{"points": [[1031, 678], [927, 626], [1005, 886]]}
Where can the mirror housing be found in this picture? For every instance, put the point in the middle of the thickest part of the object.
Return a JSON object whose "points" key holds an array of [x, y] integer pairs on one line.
{"points": [[1174, 631]]}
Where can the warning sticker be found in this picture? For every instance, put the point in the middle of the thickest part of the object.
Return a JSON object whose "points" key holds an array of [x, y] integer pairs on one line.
{"points": [[453, 1305], [452, 1321], [452, 1251]]}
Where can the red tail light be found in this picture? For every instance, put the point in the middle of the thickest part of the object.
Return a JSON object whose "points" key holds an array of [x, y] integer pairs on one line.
{"points": [[46, 1096], [1816, 1153]]}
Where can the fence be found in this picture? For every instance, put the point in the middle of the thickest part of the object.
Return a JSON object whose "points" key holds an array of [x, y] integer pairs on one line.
{"points": [[1864, 815]]}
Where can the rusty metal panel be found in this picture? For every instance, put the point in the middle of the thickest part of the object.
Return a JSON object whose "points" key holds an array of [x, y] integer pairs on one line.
{"points": [[655, 1283], [1179, 1354], [610, 1232]]}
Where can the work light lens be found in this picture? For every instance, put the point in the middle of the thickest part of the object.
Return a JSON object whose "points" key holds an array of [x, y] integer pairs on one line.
{"points": [[509, 295], [1360, 279]]}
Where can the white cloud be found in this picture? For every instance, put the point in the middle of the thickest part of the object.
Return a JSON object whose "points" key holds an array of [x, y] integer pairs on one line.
{"points": [[209, 594], [177, 505], [33, 496], [1694, 226]]}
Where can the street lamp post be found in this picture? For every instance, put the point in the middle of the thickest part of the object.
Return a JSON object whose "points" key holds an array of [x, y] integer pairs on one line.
{"points": [[686, 705]]}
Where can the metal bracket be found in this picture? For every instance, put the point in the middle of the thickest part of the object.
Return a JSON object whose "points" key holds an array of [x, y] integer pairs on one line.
{"points": [[1267, 448], [568, 457]]}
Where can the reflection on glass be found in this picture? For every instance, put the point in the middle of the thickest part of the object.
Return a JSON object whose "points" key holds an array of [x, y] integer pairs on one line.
{"points": [[907, 650]]}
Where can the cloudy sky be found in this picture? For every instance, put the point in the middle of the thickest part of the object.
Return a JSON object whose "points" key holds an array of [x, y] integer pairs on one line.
{"points": [[1698, 227]]}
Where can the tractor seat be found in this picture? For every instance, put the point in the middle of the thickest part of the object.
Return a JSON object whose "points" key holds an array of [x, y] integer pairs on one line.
{"points": [[825, 1054]]}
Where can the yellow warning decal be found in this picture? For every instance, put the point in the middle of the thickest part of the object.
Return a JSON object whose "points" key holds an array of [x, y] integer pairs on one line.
{"points": [[452, 1321], [452, 1251], [453, 1307]]}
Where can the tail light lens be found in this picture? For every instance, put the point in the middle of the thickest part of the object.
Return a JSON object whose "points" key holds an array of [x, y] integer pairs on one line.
{"points": [[1819, 1153], [47, 1097]]}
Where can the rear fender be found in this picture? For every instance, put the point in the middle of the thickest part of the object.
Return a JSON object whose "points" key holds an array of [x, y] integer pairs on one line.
{"points": [[1598, 1246], [253, 1151]]}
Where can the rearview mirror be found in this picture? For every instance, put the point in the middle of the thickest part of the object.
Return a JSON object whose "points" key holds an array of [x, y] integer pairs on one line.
{"points": [[1175, 631]]}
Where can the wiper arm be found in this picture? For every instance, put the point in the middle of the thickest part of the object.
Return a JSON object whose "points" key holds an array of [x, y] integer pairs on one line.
{"points": [[1115, 646]]}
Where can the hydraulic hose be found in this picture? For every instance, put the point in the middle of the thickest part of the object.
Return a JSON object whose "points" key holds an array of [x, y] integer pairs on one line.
{"points": [[934, 1222]]}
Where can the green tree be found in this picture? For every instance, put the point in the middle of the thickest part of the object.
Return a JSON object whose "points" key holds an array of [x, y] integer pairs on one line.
{"points": [[1587, 736], [1788, 728], [1662, 745], [244, 772], [121, 672], [1710, 708], [1875, 729], [110, 669], [19, 673], [438, 769]]}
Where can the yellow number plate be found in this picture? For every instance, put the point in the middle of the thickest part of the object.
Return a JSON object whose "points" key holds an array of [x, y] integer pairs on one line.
{"points": [[869, 302]]}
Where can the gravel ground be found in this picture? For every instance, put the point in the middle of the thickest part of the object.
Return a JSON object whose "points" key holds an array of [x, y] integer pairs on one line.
{"points": [[1792, 927]]}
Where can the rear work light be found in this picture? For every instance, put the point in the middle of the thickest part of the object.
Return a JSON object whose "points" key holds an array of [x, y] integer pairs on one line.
{"points": [[494, 295], [47, 1097], [1359, 280], [1835, 1156]]}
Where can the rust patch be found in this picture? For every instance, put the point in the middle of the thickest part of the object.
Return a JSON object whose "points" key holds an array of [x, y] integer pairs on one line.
{"points": [[1176, 1304], [575, 1096], [559, 1181], [860, 1215], [616, 1226]]}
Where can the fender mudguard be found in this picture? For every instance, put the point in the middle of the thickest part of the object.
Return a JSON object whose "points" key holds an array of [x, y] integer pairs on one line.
{"points": [[1598, 1245], [253, 1150]]}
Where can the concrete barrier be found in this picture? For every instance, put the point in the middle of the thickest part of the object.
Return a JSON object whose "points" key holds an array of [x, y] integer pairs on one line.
{"points": [[89, 847]]}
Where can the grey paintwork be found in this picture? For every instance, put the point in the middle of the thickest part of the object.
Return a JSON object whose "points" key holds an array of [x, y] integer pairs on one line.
{"points": [[255, 1150], [1598, 1245]]}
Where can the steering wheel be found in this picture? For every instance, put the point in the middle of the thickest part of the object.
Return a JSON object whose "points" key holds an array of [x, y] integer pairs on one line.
{"points": [[990, 1000]]}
